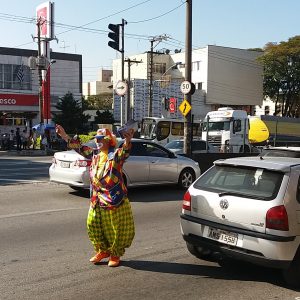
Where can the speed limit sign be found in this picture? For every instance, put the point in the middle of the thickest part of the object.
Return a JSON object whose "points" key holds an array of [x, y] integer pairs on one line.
{"points": [[185, 87]]}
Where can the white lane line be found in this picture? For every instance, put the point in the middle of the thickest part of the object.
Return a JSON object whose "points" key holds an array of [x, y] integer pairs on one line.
{"points": [[39, 212], [23, 180]]}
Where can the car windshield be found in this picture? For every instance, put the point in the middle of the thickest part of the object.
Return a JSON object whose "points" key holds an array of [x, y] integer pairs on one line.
{"points": [[175, 145], [255, 183]]}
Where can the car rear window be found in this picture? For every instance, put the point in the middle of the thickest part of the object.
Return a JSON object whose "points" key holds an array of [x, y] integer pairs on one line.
{"points": [[255, 183], [280, 153]]}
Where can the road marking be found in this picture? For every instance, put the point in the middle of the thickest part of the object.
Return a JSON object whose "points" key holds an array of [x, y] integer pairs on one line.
{"points": [[23, 180], [39, 212]]}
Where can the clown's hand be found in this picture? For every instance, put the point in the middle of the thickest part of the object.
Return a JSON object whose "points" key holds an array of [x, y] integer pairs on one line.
{"points": [[60, 131], [128, 136]]}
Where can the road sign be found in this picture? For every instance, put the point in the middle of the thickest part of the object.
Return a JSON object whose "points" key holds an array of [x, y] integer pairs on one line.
{"points": [[121, 88], [185, 107], [172, 105], [185, 87]]}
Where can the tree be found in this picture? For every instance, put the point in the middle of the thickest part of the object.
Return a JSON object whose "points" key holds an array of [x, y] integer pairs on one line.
{"points": [[105, 117], [100, 102], [71, 115], [281, 63]]}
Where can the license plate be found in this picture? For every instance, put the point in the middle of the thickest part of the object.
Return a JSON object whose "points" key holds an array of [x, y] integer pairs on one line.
{"points": [[222, 236], [65, 164]]}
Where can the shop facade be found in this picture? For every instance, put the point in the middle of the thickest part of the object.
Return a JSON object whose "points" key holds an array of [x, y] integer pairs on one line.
{"points": [[19, 86]]}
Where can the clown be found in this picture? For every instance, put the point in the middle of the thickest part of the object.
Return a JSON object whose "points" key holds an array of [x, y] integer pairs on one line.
{"points": [[110, 222]]}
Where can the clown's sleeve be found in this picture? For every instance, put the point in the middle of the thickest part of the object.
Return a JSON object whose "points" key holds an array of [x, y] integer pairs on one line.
{"points": [[123, 153], [83, 150]]}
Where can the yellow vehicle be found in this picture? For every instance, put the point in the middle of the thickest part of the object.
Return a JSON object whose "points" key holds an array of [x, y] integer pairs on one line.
{"points": [[258, 132], [283, 130]]}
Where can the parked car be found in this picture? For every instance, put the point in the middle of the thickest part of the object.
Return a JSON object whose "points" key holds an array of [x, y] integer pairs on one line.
{"points": [[246, 208], [281, 151], [147, 164], [198, 146]]}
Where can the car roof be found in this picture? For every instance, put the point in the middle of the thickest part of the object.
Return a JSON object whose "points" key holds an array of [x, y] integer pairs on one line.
{"points": [[282, 164], [296, 149]]}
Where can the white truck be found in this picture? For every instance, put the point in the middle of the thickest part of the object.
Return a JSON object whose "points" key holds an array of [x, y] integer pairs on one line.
{"points": [[227, 129]]}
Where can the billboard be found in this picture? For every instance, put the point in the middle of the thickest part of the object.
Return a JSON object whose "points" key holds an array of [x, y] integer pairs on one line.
{"points": [[45, 17]]}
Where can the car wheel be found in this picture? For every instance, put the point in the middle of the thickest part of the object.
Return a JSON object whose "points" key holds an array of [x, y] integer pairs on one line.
{"points": [[186, 178], [199, 252], [292, 274]]}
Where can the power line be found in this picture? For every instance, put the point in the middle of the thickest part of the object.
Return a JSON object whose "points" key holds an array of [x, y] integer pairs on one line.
{"points": [[157, 17]]}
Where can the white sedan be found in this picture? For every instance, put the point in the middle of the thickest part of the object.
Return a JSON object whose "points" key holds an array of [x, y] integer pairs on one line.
{"points": [[148, 164]]}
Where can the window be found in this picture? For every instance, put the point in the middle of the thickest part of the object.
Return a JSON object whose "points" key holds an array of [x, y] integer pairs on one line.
{"points": [[196, 65], [267, 110], [255, 183], [177, 128], [153, 150], [159, 68], [17, 77], [198, 85], [163, 130]]}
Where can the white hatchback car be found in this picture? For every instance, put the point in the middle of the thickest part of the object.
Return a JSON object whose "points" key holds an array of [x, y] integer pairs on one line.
{"points": [[148, 164], [247, 209]]}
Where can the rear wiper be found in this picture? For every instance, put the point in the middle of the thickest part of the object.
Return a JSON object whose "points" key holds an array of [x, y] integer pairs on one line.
{"points": [[230, 193]]}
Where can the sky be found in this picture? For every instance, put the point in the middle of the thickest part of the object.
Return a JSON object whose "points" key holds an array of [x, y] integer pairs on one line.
{"points": [[82, 26]]}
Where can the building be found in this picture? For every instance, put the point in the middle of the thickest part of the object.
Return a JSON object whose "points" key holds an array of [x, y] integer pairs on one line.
{"points": [[19, 85], [222, 76], [100, 86]]}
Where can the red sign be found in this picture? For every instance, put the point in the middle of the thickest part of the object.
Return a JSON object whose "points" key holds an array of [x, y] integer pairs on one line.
{"points": [[19, 100], [172, 105]]}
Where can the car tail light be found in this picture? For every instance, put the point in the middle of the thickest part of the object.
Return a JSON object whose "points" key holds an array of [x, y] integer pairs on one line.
{"points": [[186, 204], [277, 218], [82, 163]]}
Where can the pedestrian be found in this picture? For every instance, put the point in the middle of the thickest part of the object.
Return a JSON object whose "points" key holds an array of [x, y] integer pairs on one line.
{"points": [[110, 223], [18, 138], [34, 138], [11, 139], [24, 139]]}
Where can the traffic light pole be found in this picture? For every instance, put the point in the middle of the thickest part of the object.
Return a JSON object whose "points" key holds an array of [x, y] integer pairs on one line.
{"points": [[122, 70], [188, 75]]}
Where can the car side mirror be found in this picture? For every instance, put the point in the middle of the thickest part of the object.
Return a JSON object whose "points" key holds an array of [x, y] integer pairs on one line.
{"points": [[172, 155]]}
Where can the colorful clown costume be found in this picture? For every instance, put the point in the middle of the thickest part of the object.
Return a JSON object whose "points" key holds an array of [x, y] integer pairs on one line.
{"points": [[110, 223]]}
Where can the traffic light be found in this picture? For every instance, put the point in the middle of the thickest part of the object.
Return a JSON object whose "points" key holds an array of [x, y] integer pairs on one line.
{"points": [[115, 36], [166, 103]]}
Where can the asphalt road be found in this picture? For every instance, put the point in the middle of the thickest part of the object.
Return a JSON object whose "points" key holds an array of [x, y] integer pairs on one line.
{"points": [[45, 252]]}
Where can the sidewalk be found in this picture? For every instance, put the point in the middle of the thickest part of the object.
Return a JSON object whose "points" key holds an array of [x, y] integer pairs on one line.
{"points": [[29, 152]]}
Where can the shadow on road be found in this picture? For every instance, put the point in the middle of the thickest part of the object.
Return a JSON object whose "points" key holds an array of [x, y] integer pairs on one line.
{"points": [[146, 193], [250, 273]]}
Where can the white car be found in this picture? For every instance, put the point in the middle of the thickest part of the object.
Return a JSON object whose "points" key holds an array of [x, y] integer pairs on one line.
{"points": [[247, 209], [198, 146], [148, 164]]}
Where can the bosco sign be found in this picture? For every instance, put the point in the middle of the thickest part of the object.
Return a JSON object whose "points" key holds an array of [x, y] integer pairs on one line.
{"points": [[5, 101]]}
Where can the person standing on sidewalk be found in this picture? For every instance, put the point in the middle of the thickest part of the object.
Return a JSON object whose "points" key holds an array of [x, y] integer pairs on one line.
{"points": [[18, 139], [110, 223]]}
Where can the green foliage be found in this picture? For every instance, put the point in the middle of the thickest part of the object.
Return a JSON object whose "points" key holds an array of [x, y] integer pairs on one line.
{"points": [[71, 115], [105, 117], [100, 102], [281, 64]]}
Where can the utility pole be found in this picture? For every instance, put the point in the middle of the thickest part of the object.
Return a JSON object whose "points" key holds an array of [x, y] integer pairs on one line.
{"points": [[41, 100], [188, 75], [129, 62], [157, 39]]}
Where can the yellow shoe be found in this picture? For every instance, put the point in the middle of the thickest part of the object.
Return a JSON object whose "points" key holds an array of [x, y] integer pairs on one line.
{"points": [[99, 256], [114, 261]]}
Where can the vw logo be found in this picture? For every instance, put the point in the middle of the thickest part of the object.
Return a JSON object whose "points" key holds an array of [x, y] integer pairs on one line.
{"points": [[224, 204]]}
